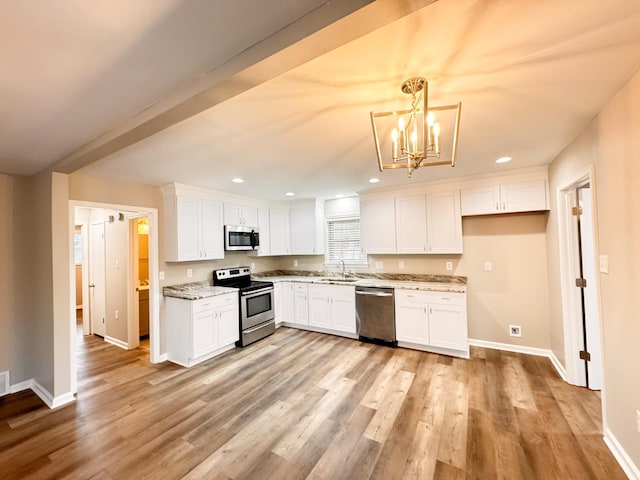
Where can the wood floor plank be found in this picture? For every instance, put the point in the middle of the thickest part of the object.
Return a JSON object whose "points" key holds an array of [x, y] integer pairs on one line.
{"points": [[300, 405]]}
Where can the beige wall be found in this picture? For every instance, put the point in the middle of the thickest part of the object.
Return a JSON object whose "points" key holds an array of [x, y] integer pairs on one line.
{"points": [[612, 143], [515, 292]]}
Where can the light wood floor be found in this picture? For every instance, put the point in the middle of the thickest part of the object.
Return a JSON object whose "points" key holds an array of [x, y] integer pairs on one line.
{"points": [[305, 405]]}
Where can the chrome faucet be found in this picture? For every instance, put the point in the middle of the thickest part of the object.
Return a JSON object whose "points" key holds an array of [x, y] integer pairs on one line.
{"points": [[344, 275]]}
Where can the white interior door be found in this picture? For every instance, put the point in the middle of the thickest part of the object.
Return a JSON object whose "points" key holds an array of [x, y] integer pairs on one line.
{"points": [[591, 322], [97, 278]]}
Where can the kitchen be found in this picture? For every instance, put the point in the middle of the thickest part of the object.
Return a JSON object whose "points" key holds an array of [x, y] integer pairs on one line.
{"points": [[525, 273]]}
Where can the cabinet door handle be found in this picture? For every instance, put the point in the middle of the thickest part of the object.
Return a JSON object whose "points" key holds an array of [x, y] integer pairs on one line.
{"points": [[430, 311], [497, 207], [504, 206]]}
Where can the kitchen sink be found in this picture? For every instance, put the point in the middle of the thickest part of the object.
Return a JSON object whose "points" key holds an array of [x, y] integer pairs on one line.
{"points": [[339, 280]]}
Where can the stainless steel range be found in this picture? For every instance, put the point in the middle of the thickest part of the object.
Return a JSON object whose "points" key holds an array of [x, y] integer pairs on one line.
{"points": [[257, 319]]}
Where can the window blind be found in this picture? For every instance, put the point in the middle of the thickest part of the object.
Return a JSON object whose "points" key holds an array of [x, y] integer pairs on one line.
{"points": [[343, 241]]}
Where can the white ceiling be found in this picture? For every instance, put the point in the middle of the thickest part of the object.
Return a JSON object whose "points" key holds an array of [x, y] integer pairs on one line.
{"points": [[530, 76]]}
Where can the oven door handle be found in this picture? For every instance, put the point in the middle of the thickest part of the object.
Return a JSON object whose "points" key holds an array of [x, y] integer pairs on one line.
{"points": [[256, 292]]}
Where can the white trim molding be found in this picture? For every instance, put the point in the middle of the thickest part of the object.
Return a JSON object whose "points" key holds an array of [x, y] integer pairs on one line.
{"points": [[116, 342], [540, 352], [44, 394], [631, 469]]}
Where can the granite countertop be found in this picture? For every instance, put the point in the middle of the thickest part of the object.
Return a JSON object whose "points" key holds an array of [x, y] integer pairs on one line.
{"points": [[195, 291], [437, 283]]}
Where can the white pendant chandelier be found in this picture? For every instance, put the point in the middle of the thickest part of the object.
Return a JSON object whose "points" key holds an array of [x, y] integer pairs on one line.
{"points": [[415, 138]]}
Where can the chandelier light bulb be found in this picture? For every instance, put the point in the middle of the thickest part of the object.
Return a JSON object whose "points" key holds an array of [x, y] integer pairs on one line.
{"points": [[430, 119], [394, 143]]}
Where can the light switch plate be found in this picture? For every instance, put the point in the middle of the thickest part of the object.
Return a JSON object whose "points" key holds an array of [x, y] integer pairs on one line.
{"points": [[449, 266], [161, 275], [401, 265], [488, 266], [379, 265], [604, 263], [189, 272], [295, 263]]}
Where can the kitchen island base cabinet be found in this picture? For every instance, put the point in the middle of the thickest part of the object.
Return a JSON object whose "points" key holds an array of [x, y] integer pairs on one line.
{"points": [[198, 330], [432, 321]]}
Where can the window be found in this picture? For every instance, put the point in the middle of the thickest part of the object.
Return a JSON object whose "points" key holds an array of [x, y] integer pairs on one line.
{"points": [[343, 241]]}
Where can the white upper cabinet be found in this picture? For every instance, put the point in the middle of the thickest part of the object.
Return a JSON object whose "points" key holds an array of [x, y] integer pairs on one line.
{"points": [[279, 231], [264, 229], [193, 225], [236, 214], [378, 224], [444, 222], [505, 197], [411, 224], [429, 223], [306, 225]]}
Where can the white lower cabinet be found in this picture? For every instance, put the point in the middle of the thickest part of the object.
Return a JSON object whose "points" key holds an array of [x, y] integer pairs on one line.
{"points": [[300, 304], [435, 321], [287, 302], [333, 307], [200, 329]]}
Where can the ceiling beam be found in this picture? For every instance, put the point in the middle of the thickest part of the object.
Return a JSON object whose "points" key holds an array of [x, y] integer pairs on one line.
{"points": [[328, 27]]}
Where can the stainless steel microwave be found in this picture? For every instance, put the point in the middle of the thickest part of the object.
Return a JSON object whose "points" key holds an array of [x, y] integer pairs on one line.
{"points": [[241, 237]]}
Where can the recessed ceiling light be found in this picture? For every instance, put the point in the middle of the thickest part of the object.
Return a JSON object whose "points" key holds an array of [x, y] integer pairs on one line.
{"points": [[374, 180], [503, 160], [289, 194], [237, 180]]}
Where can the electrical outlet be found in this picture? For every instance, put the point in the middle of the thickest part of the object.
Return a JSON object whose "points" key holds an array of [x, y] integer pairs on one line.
{"points": [[161, 275], [638, 420], [189, 272], [488, 266], [295, 263], [379, 265], [117, 314], [401, 265], [253, 266], [515, 330], [449, 266]]}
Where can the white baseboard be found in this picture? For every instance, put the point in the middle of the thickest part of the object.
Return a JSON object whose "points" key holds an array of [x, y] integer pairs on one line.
{"points": [[116, 342], [43, 393], [631, 469], [540, 352]]}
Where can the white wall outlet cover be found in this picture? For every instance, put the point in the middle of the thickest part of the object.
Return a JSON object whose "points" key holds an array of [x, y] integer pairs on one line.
{"points": [[401, 265], [515, 330], [117, 314], [295, 263], [253, 266], [161, 275], [638, 420], [449, 266], [189, 272], [379, 265], [488, 266], [604, 263]]}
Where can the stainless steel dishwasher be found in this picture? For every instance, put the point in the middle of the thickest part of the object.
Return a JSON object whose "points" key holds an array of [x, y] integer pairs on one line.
{"points": [[375, 315]]}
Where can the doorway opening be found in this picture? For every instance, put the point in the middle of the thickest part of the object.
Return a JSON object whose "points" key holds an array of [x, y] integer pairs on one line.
{"points": [[119, 252], [580, 287]]}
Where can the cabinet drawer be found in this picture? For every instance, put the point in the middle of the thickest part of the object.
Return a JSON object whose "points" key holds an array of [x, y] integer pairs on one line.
{"points": [[212, 303], [446, 298], [411, 296], [441, 298]]}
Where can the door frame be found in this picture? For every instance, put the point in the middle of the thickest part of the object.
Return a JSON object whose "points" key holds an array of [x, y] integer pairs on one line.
{"points": [[154, 284], [571, 302]]}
